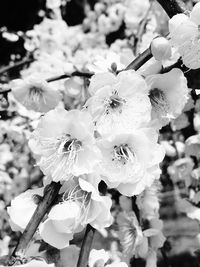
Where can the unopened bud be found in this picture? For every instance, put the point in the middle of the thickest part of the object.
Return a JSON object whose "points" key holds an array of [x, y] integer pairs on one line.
{"points": [[161, 48]]}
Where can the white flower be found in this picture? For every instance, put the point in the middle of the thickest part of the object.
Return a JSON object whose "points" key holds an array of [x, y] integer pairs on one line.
{"points": [[81, 205], [64, 144], [22, 208], [185, 36], [130, 161], [35, 93], [97, 256], [119, 101], [168, 94]]}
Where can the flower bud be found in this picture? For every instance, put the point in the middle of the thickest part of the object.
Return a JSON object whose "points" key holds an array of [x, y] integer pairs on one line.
{"points": [[161, 48]]}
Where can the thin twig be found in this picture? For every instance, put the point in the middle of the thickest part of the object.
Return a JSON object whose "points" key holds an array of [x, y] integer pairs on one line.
{"points": [[68, 75], [16, 65], [50, 194]]}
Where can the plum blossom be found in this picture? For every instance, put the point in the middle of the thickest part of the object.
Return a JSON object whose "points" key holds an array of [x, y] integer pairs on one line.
{"points": [[64, 144], [81, 205], [184, 33], [20, 206], [130, 161], [168, 94], [119, 101], [35, 93]]}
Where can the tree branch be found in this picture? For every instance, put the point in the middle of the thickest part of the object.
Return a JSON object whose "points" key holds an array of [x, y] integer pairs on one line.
{"points": [[86, 246], [140, 60], [172, 7], [50, 194]]}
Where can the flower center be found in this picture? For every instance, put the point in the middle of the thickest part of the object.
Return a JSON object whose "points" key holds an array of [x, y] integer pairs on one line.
{"points": [[115, 102], [123, 154], [159, 101], [35, 93], [72, 144]]}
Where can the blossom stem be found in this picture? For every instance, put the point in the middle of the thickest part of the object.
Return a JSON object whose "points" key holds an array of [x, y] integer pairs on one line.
{"points": [[86, 246], [172, 7], [50, 194]]}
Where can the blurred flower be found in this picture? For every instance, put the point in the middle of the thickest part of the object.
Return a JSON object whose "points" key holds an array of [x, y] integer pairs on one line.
{"points": [[196, 121], [130, 233], [4, 246], [184, 33], [169, 149], [64, 145], [130, 162], [22, 208], [53, 4], [192, 146], [5, 154], [119, 102], [148, 203], [181, 170], [168, 95], [35, 93], [135, 12], [180, 122]]}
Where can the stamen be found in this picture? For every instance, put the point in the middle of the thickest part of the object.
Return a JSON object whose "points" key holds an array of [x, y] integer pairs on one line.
{"points": [[123, 154], [159, 101]]}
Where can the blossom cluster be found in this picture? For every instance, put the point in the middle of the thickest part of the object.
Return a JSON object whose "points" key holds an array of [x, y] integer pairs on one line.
{"points": [[103, 128]]}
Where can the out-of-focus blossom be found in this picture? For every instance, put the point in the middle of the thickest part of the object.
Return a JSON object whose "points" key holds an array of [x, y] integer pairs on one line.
{"points": [[184, 33], [22, 208], [130, 233], [119, 101], [180, 122], [81, 205], [192, 146], [148, 203], [181, 170], [130, 162], [169, 149], [5, 154], [64, 144], [196, 121], [4, 243], [53, 4], [35, 93], [161, 48], [135, 11], [188, 208], [168, 94], [5, 183]]}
